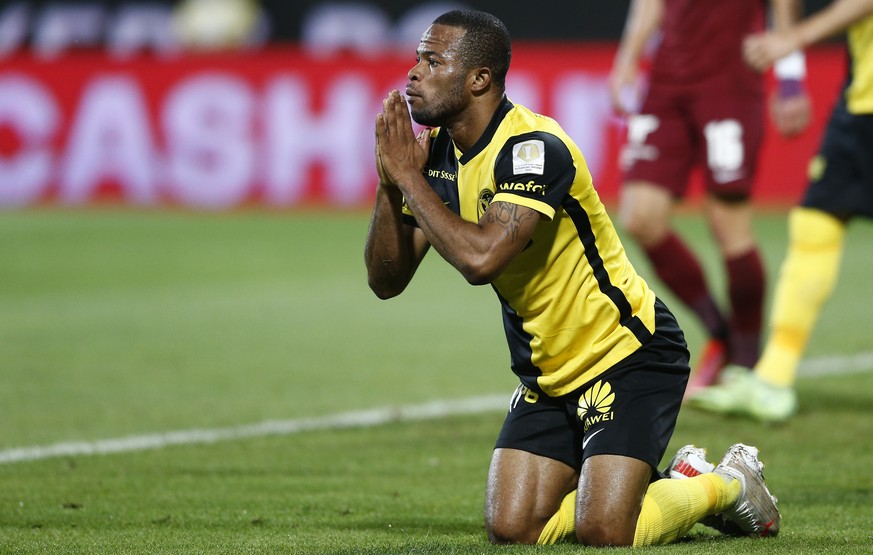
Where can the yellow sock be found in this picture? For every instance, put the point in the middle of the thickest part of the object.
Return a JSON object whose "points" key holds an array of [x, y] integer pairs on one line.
{"points": [[672, 507], [562, 525], [806, 281]]}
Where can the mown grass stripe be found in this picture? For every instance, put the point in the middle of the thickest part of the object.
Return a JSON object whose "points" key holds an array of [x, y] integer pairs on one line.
{"points": [[812, 368]]}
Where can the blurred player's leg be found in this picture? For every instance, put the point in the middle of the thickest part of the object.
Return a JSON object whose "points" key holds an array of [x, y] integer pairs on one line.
{"points": [[730, 220], [680, 270], [645, 213], [806, 281], [731, 128], [746, 284]]}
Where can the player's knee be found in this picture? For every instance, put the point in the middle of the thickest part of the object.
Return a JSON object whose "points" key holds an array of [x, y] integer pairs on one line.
{"points": [[603, 534], [642, 228], [505, 531], [814, 229], [635, 227]]}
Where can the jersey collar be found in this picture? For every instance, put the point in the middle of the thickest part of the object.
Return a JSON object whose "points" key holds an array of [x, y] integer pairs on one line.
{"points": [[503, 109]]}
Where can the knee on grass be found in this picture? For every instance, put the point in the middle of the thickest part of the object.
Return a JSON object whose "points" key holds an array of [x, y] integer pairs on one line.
{"points": [[603, 534], [507, 531]]}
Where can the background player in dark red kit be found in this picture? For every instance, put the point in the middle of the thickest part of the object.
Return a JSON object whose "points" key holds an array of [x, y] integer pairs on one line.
{"points": [[704, 108], [840, 189]]}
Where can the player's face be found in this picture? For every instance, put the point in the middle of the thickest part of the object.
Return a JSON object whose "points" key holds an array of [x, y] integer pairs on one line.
{"points": [[436, 91]]}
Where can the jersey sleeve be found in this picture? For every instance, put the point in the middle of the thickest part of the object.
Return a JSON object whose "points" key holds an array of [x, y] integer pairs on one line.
{"points": [[534, 170]]}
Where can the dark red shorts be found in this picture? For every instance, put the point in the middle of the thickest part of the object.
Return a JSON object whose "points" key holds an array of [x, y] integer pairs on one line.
{"points": [[678, 130]]}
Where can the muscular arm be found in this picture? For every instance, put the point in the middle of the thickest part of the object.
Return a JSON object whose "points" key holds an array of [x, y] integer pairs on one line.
{"points": [[393, 249], [480, 250]]}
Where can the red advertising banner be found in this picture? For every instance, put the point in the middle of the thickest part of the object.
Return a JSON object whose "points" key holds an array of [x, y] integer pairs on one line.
{"points": [[281, 128]]}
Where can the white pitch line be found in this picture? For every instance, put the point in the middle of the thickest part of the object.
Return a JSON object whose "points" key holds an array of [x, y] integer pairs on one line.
{"points": [[356, 419], [812, 368], [836, 365]]}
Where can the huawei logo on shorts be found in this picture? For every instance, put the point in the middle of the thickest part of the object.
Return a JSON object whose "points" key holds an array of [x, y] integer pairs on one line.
{"points": [[595, 405]]}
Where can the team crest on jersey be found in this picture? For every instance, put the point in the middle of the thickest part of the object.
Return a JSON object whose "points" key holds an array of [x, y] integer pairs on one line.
{"points": [[529, 157], [595, 405], [485, 198]]}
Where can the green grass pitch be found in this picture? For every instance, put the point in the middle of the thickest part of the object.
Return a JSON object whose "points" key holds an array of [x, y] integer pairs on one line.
{"points": [[121, 324]]}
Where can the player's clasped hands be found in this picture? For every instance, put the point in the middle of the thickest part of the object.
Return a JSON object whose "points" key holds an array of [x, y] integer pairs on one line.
{"points": [[398, 151]]}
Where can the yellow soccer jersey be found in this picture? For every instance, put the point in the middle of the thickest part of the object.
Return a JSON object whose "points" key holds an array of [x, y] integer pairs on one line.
{"points": [[859, 94], [573, 305]]}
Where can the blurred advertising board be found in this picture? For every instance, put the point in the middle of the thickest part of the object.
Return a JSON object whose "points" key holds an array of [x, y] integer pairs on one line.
{"points": [[283, 128]]}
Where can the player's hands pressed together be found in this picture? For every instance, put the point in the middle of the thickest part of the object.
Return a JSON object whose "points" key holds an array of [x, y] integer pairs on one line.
{"points": [[400, 155], [479, 250]]}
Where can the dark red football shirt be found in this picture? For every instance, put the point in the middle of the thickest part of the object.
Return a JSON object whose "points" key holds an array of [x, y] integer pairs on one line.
{"points": [[701, 42]]}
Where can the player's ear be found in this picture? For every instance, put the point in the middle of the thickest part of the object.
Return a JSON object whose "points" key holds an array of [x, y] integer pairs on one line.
{"points": [[480, 79]]}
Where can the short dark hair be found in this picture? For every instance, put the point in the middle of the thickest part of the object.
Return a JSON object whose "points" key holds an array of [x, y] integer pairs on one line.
{"points": [[486, 41]]}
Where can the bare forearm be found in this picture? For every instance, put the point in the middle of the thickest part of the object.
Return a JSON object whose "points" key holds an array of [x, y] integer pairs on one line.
{"points": [[479, 251], [452, 237], [644, 17], [387, 253], [833, 19], [785, 13], [762, 50]]}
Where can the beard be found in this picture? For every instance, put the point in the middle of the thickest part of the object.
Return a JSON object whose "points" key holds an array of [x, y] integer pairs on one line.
{"points": [[443, 110]]}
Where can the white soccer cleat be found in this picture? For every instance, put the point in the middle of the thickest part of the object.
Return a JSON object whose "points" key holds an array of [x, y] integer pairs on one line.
{"points": [[688, 462], [755, 512]]}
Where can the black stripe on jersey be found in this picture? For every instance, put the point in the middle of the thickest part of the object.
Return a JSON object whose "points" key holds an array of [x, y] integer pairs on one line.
{"points": [[520, 353], [586, 235], [442, 170]]}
